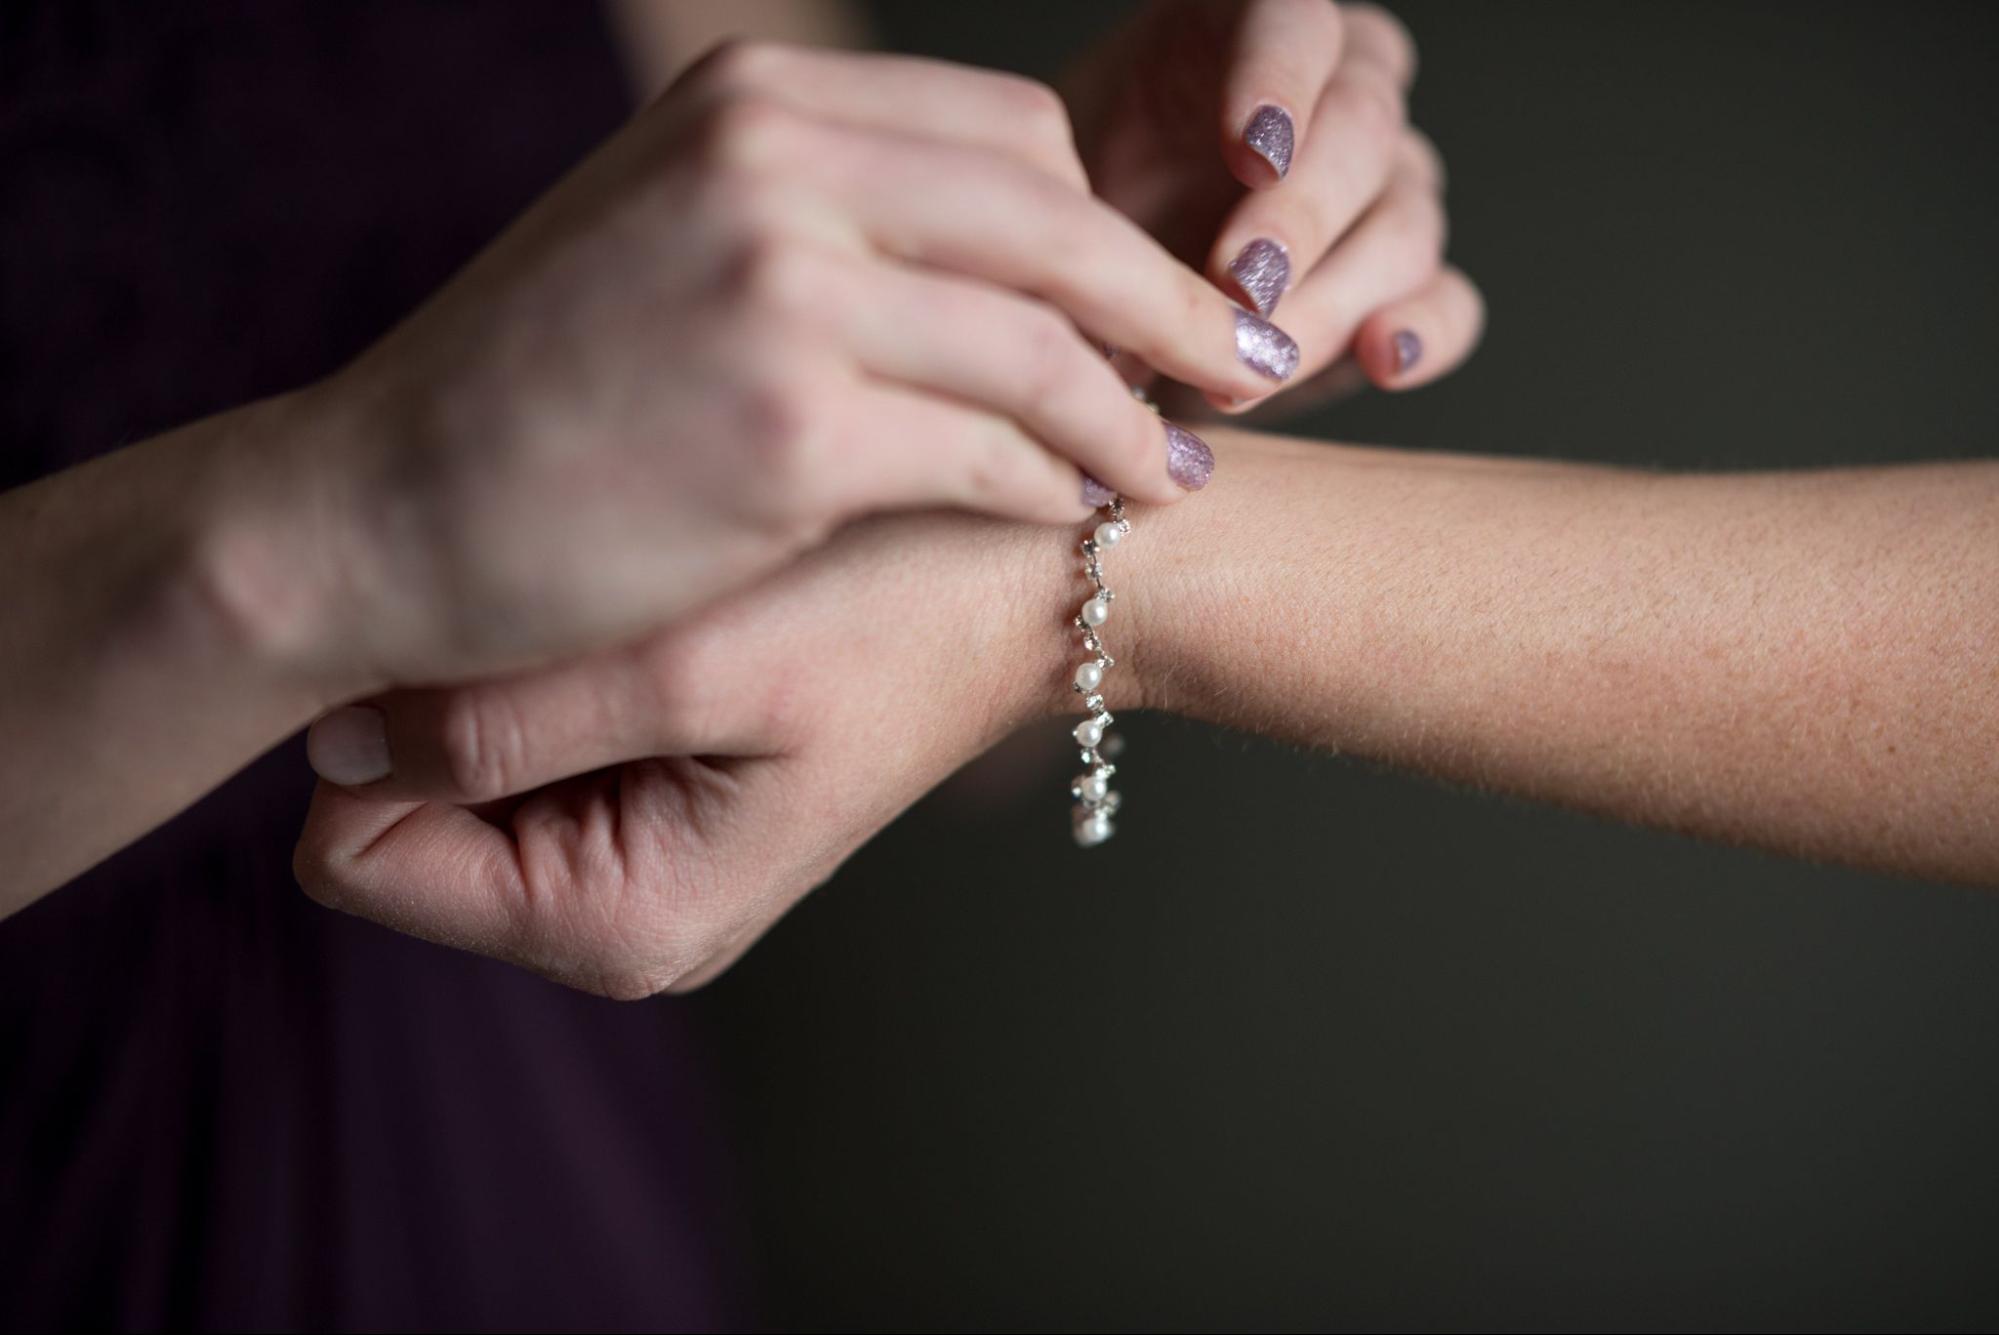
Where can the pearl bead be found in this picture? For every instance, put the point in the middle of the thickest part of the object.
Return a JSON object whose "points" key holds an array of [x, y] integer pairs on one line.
{"points": [[1089, 676], [1096, 612], [1093, 829], [1108, 534], [1089, 732], [1094, 787]]}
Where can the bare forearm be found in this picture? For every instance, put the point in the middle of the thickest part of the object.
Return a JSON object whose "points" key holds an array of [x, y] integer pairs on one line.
{"points": [[161, 611], [1804, 661]]}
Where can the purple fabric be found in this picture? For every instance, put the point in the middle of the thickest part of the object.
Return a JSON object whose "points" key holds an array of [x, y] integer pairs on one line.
{"points": [[221, 1106]]}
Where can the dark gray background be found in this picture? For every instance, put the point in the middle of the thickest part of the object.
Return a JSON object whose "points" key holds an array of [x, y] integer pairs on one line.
{"points": [[1314, 1045]]}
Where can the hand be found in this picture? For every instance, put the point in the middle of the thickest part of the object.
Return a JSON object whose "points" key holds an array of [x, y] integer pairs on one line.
{"points": [[801, 287], [1318, 192], [725, 767]]}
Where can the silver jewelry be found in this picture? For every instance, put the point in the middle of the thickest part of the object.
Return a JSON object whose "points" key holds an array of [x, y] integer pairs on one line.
{"points": [[1096, 801]]}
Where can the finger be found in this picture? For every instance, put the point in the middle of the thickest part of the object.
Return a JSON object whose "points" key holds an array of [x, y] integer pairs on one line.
{"points": [[984, 215], [600, 882], [1285, 51], [1001, 352], [427, 869], [1395, 250], [1375, 36], [929, 451], [1275, 236], [1423, 336], [1418, 158], [483, 741], [990, 109]]}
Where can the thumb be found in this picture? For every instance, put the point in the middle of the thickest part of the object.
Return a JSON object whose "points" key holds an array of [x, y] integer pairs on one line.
{"points": [[483, 741]]}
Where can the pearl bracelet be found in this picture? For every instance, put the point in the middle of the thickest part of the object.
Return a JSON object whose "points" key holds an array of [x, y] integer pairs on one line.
{"points": [[1096, 801]]}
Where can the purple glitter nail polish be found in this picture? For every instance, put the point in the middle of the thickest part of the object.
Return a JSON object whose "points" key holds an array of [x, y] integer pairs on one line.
{"points": [[1262, 269], [1408, 349], [1263, 347], [1095, 494], [1189, 461], [1268, 135]]}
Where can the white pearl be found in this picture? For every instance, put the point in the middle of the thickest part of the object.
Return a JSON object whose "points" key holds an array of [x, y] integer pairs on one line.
{"points": [[1089, 676], [1093, 829], [1108, 534], [1096, 612], [1094, 787], [1089, 732]]}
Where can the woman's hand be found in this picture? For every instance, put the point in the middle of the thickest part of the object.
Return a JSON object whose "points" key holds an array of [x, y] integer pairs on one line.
{"points": [[1267, 142], [723, 768], [801, 287]]}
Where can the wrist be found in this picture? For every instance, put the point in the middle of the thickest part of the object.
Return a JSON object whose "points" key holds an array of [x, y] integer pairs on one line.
{"points": [[1042, 567], [1198, 582], [276, 548]]}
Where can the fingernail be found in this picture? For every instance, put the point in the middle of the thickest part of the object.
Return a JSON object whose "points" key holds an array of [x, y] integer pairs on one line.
{"points": [[1408, 349], [1095, 494], [1189, 461], [349, 746], [1263, 347], [1268, 135], [1262, 269]]}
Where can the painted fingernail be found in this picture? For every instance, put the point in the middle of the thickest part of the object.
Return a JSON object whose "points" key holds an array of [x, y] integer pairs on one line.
{"points": [[1408, 349], [1095, 494], [349, 746], [1268, 135], [1263, 347], [1262, 270], [1189, 461]]}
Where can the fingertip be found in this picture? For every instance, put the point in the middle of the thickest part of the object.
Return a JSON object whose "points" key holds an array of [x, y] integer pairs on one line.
{"points": [[1393, 353], [350, 746], [1189, 461], [1261, 148], [1234, 405], [1261, 272]]}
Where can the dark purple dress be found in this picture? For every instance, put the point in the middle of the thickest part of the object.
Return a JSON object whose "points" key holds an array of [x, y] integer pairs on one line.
{"points": [[221, 1106]]}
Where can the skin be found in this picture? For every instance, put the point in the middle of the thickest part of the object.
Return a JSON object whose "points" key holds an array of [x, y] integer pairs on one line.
{"points": [[801, 288], [798, 289], [1161, 109], [1801, 661]]}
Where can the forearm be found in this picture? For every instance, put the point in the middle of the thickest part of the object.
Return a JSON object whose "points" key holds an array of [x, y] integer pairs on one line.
{"points": [[1807, 661], [166, 620]]}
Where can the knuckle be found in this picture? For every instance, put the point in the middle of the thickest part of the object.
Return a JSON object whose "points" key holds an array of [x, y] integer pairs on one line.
{"points": [[785, 447], [1422, 160], [482, 745], [1372, 102], [1036, 109], [1047, 350], [1385, 37], [317, 872], [749, 210], [774, 275], [748, 133], [677, 669], [740, 64], [1422, 221], [1300, 15], [992, 460]]}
